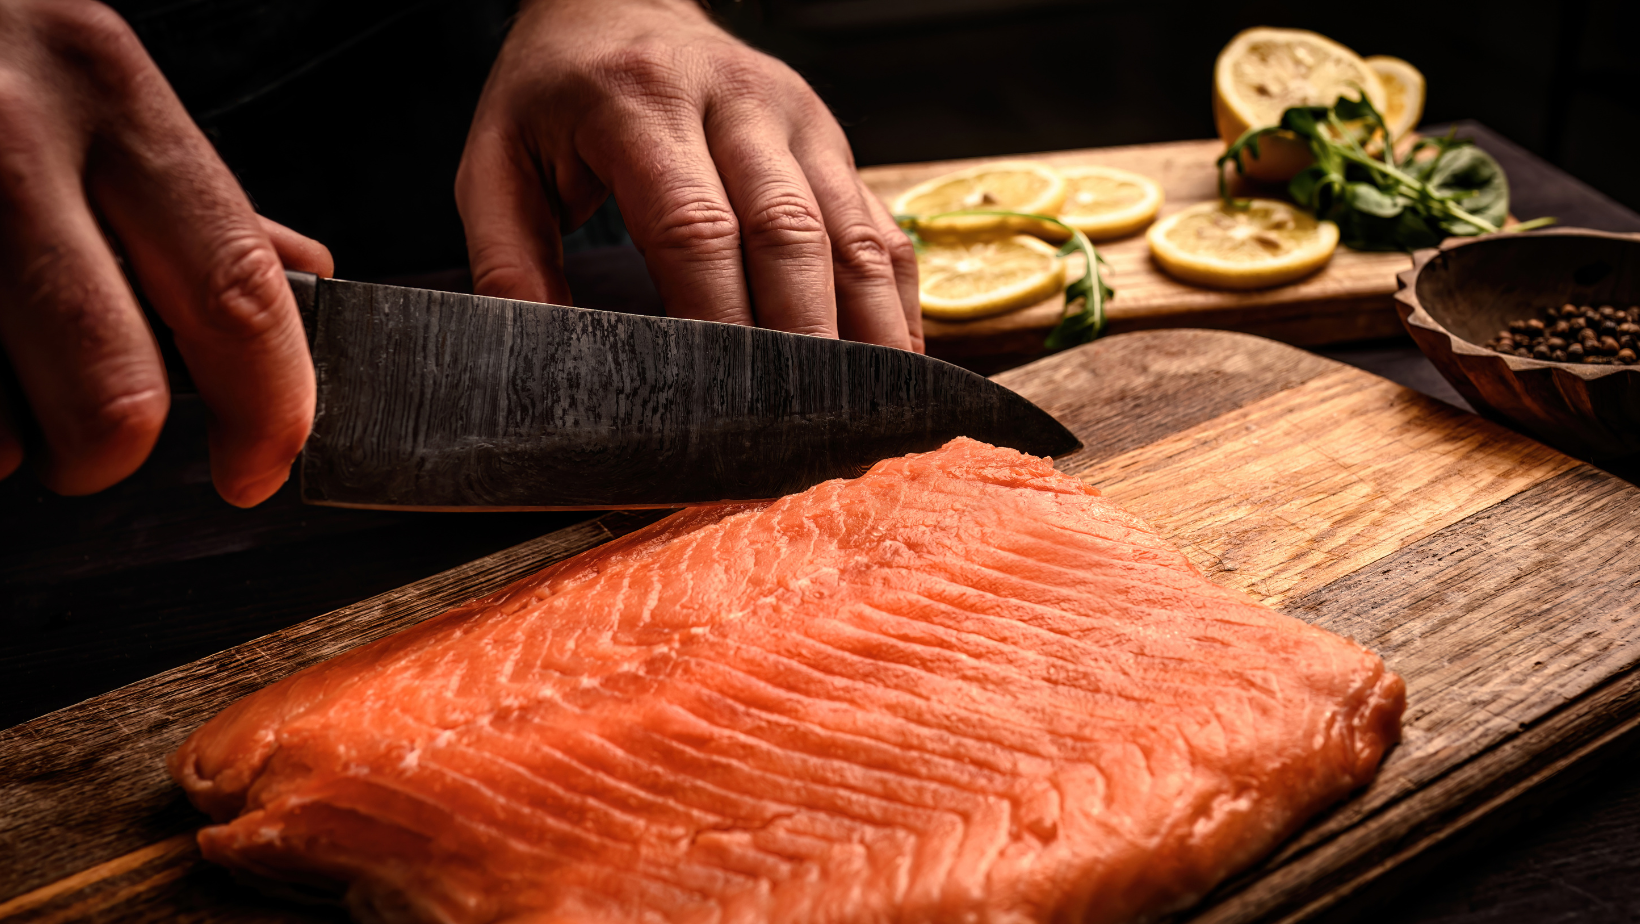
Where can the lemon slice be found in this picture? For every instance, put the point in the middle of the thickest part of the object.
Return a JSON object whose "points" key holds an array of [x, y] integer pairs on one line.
{"points": [[1104, 202], [974, 279], [1266, 244], [1263, 72], [1403, 93], [1014, 186]]}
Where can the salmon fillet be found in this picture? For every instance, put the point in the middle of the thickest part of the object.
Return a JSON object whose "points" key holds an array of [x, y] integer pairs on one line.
{"points": [[962, 687]]}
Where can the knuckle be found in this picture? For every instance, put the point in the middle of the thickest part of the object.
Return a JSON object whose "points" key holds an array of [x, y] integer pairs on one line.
{"points": [[901, 251], [864, 251], [245, 289], [788, 219], [85, 27], [697, 223], [642, 65]]}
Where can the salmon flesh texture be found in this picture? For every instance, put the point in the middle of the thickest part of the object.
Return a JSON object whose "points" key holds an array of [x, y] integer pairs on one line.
{"points": [[962, 687]]}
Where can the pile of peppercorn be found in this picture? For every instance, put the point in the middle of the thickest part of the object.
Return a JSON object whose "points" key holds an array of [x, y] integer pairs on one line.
{"points": [[1570, 334]]}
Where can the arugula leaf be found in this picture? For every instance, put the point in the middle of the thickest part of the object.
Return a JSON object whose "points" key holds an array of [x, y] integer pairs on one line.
{"points": [[1087, 295], [1379, 201]]}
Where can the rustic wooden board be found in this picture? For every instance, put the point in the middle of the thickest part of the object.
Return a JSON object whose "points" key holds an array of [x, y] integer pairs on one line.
{"points": [[1349, 300], [1500, 578]]}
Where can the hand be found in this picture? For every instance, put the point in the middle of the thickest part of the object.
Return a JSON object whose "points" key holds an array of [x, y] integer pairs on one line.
{"points": [[97, 156], [733, 178]]}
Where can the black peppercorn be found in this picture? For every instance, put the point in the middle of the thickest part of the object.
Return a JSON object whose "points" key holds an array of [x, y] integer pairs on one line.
{"points": [[1558, 356], [1578, 323], [1627, 357], [1608, 345], [1575, 352]]}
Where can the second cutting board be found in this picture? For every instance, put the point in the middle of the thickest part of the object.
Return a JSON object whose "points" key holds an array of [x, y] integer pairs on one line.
{"points": [[1351, 299]]}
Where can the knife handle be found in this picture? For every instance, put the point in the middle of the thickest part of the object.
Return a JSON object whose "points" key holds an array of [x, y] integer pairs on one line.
{"points": [[305, 286]]}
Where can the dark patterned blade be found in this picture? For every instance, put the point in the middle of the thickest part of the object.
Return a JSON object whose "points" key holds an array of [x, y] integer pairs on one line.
{"points": [[434, 400]]}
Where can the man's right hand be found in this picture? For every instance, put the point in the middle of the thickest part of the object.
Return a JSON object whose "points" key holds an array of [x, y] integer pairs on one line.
{"points": [[98, 157]]}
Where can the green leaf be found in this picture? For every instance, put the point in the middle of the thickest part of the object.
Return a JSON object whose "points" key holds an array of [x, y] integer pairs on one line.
{"points": [[1350, 110], [1370, 200], [1087, 295], [1470, 175], [1305, 121]]}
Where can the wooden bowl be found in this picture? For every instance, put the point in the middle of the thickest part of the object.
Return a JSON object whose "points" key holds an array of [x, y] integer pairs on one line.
{"points": [[1461, 294]]}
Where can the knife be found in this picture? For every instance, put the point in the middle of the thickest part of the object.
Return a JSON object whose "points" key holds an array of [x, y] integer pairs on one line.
{"points": [[441, 401]]}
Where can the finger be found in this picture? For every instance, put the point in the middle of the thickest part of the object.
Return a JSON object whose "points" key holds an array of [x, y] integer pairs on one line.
{"points": [[904, 257], [83, 355], [211, 272], [513, 242], [676, 210], [868, 300], [297, 251], [783, 231]]}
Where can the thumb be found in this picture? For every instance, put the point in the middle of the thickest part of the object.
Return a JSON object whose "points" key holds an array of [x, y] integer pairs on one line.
{"points": [[513, 243]]}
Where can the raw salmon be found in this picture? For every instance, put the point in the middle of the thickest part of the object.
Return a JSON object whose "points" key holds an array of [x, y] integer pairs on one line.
{"points": [[962, 687]]}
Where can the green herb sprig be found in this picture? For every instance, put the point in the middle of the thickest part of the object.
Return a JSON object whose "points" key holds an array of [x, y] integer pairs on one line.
{"points": [[1380, 201], [1083, 318]]}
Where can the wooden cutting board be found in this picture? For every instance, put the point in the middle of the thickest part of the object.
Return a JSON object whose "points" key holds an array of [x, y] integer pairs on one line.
{"points": [[1500, 578], [1349, 300]]}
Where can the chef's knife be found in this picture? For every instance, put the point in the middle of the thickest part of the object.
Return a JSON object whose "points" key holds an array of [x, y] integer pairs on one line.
{"points": [[441, 401]]}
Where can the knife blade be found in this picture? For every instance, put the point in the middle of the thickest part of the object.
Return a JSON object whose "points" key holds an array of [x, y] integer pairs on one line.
{"points": [[440, 401]]}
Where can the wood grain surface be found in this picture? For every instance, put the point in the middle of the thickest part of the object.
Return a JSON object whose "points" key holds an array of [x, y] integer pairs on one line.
{"points": [[1498, 577], [1352, 299]]}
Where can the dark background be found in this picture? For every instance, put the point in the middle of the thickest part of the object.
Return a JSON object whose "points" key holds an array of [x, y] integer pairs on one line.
{"points": [[346, 120]]}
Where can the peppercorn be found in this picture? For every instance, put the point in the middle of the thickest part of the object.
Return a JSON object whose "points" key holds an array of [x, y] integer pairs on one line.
{"points": [[1556, 343], [1579, 322], [1608, 326], [1534, 325], [1561, 327], [1575, 352], [1558, 356], [1607, 311], [1608, 345], [1587, 335], [1627, 357]]}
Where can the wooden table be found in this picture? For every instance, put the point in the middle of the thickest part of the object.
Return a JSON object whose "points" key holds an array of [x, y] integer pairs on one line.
{"points": [[101, 591]]}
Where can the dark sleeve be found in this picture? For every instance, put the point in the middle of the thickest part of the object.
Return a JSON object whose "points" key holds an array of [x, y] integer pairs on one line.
{"points": [[343, 120]]}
